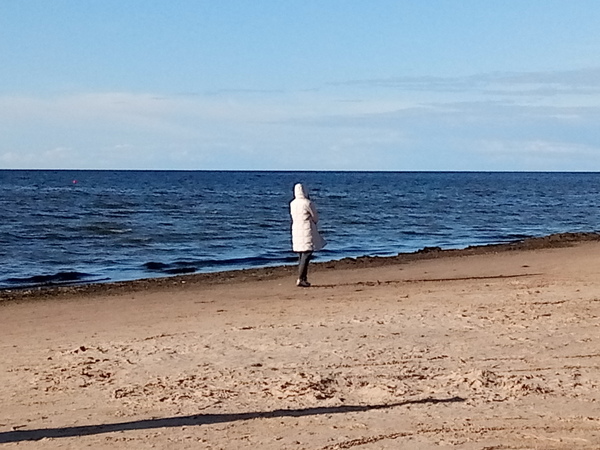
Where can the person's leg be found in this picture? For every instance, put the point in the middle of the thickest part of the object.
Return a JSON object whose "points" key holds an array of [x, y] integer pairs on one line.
{"points": [[304, 259]]}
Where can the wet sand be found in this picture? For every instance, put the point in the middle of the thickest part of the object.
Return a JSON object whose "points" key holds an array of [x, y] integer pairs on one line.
{"points": [[492, 347]]}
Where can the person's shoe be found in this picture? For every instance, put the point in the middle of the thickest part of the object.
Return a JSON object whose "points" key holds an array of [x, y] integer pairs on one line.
{"points": [[302, 283]]}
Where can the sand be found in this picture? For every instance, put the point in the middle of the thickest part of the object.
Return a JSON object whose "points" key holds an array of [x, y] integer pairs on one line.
{"points": [[494, 348]]}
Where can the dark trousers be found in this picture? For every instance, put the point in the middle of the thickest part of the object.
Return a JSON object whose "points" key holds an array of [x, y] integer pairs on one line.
{"points": [[303, 260]]}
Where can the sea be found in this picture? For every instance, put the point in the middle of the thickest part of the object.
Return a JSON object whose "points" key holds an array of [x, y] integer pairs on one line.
{"points": [[63, 227]]}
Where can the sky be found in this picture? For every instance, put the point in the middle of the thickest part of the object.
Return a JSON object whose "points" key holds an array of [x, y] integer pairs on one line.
{"points": [[404, 85]]}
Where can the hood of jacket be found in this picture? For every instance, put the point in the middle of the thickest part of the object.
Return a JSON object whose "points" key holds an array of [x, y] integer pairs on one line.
{"points": [[300, 191]]}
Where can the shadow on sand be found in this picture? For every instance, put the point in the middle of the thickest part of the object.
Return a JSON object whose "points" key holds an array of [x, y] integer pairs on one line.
{"points": [[199, 419]]}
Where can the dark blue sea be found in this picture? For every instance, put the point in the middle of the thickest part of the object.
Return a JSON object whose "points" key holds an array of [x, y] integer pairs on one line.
{"points": [[65, 227]]}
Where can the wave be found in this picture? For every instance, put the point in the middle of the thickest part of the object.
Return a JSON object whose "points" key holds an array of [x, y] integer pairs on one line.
{"points": [[183, 267], [106, 229], [177, 268], [57, 279]]}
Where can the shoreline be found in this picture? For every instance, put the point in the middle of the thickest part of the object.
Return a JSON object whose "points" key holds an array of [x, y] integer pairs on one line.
{"points": [[268, 273]]}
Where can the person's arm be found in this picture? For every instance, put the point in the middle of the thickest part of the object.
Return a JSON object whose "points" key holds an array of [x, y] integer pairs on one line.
{"points": [[313, 212]]}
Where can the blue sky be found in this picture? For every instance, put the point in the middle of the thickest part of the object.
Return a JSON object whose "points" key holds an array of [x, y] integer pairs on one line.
{"points": [[300, 85]]}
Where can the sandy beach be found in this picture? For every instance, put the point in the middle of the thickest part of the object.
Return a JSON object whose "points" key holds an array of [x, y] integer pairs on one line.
{"points": [[487, 348]]}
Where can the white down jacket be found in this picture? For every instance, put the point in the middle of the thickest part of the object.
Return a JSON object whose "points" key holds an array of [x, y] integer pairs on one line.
{"points": [[305, 236]]}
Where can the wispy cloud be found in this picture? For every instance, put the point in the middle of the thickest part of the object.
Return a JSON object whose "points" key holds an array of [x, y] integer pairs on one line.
{"points": [[539, 149], [573, 82]]}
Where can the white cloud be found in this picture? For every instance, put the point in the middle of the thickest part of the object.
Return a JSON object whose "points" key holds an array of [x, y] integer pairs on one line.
{"points": [[411, 124], [542, 154], [539, 149], [12, 159]]}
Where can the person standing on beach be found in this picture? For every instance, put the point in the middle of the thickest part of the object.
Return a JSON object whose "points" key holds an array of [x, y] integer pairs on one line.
{"points": [[305, 236]]}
